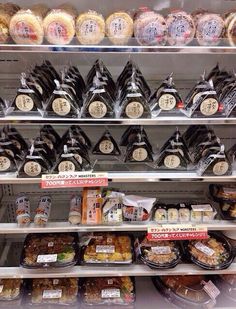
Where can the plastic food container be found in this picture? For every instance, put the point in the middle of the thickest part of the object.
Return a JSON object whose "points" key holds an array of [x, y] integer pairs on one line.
{"points": [[62, 291], [107, 249], [216, 252], [184, 291], [10, 289], [108, 291], [160, 254], [227, 285], [50, 250]]}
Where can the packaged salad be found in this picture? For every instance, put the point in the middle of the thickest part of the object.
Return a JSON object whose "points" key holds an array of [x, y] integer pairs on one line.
{"points": [[216, 252], [108, 291], [50, 250]]}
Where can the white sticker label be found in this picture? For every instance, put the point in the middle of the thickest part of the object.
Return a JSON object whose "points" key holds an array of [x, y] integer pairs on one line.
{"points": [[50, 244], [47, 258], [180, 29], [61, 106], [172, 161], [161, 250], [203, 207], [32, 168], [211, 289], [24, 103], [153, 32], [105, 249], [52, 294], [204, 249], [209, 106], [97, 109], [106, 146], [220, 168], [66, 166], [89, 27], [167, 102], [140, 154], [55, 281], [1, 288], [211, 29], [5, 164], [110, 293], [134, 110], [118, 27]]}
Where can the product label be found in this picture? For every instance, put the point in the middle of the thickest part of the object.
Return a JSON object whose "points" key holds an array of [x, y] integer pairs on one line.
{"points": [[140, 154], [106, 146], [24, 103], [66, 166], [204, 249], [180, 29], [52, 294], [203, 207], [5, 163], [211, 289], [25, 30], [110, 293], [1, 288], [51, 244], [61, 106], [57, 31], [89, 27], [97, 109], [220, 168], [47, 258], [167, 102], [32, 168], [209, 106], [134, 110], [105, 249], [211, 29], [161, 250], [172, 161], [153, 32], [55, 281], [118, 26], [110, 281]]}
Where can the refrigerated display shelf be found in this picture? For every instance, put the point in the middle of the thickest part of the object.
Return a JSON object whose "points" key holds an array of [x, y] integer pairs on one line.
{"points": [[95, 271], [57, 227], [180, 120], [134, 177], [106, 48]]}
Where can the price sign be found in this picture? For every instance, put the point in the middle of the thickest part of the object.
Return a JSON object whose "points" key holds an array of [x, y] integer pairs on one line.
{"points": [[74, 180], [177, 232]]}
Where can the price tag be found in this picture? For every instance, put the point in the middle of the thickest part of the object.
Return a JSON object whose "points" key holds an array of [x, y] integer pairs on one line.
{"points": [[47, 258], [1, 288], [74, 180], [204, 249], [105, 249], [110, 293], [211, 289], [203, 207], [52, 294], [177, 232], [161, 250]]}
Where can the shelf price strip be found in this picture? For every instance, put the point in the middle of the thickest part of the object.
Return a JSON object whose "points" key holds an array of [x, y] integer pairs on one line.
{"points": [[74, 180], [177, 232]]}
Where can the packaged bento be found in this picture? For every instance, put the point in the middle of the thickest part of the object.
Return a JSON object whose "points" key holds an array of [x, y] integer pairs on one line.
{"points": [[216, 252], [159, 254], [184, 291], [227, 284], [50, 250], [107, 249], [137, 208], [61, 291], [10, 289], [108, 291]]}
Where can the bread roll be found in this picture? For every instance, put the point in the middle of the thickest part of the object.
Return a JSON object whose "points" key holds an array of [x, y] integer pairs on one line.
{"points": [[59, 25], [119, 28], [6, 12], [90, 28], [26, 26], [230, 24]]}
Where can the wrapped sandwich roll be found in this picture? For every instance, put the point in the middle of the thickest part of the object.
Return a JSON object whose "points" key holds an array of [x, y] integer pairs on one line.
{"points": [[230, 24], [6, 12]]}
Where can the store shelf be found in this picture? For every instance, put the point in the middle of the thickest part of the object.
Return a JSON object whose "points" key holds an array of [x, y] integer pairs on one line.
{"points": [[56, 227], [135, 177], [95, 271], [180, 120], [106, 48]]}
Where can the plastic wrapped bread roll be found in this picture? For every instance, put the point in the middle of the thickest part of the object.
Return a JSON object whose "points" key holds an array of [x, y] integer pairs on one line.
{"points": [[26, 26], [90, 28], [230, 24], [59, 25], [6, 12], [119, 28], [210, 28], [180, 27], [150, 28]]}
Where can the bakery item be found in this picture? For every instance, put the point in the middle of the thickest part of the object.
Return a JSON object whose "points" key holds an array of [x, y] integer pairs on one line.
{"points": [[6, 12], [119, 28], [26, 26], [180, 28], [150, 28], [59, 25], [90, 28], [230, 25]]}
